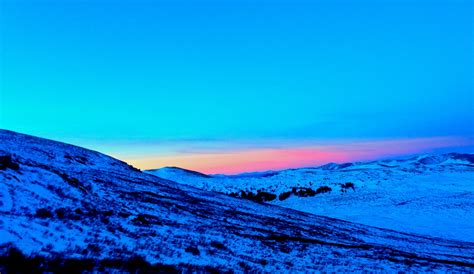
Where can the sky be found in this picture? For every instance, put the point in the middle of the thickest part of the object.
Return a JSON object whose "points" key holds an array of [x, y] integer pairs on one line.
{"points": [[234, 86]]}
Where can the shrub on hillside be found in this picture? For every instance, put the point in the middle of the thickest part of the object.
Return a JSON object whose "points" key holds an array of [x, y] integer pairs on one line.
{"points": [[6, 161], [303, 192], [323, 189], [283, 196], [44, 213], [263, 196], [346, 186], [193, 250]]}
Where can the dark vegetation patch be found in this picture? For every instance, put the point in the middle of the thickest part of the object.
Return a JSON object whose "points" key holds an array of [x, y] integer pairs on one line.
{"points": [[308, 192], [193, 250], [283, 238], [133, 168], [14, 261], [146, 219], [93, 249], [303, 192], [347, 186], [123, 214], [11, 176], [285, 195], [260, 196], [263, 196], [64, 213], [218, 245], [245, 267], [61, 213], [56, 190], [6, 162], [74, 182], [323, 189], [78, 159], [145, 196], [77, 214], [44, 213]]}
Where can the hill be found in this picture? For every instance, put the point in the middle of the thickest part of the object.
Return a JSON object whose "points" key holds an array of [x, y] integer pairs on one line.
{"points": [[65, 208], [428, 194]]}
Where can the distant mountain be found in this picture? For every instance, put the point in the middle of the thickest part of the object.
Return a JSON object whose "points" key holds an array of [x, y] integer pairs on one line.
{"points": [[451, 158], [166, 171], [68, 209], [334, 166], [426, 194]]}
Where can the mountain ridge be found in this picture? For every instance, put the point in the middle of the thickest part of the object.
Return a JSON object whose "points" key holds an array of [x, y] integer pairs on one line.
{"points": [[427, 159]]}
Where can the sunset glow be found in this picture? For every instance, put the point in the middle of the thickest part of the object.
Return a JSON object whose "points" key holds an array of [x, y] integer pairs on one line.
{"points": [[262, 159]]}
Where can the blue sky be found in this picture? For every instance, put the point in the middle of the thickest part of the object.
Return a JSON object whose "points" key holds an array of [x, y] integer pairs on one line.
{"points": [[103, 72]]}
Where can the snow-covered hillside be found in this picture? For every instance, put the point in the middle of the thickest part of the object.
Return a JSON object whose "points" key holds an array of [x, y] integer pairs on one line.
{"points": [[68, 208], [430, 194]]}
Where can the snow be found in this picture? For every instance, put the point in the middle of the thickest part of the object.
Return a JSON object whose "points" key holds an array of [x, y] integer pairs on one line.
{"points": [[430, 194], [69, 202]]}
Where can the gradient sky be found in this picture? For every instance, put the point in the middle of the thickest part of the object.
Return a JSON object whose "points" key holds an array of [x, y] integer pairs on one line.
{"points": [[231, 86]]}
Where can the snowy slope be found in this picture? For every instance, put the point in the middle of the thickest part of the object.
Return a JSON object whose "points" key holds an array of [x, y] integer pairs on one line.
{"points": [[429, 194], [60, 202]]}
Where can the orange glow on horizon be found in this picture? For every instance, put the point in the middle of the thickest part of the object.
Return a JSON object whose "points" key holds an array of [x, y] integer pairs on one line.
{"points": [[247, 160], [241, 161]]}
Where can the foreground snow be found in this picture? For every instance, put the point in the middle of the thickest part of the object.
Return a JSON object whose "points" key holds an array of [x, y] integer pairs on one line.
{"points": [[431, 195], [60, 202]]}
